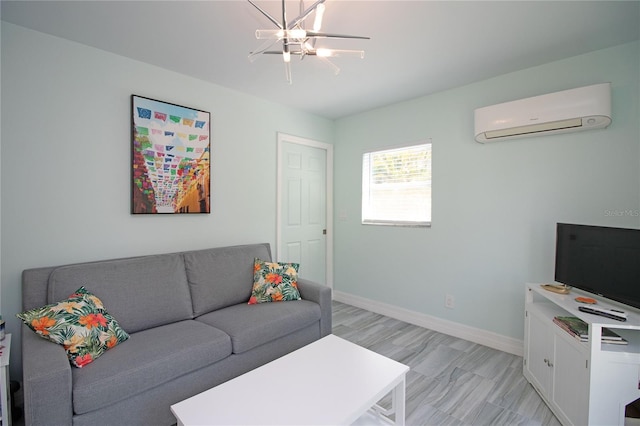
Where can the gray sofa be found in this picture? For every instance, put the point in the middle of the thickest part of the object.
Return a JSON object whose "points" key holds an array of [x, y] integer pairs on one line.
{"points": [[190, 329]]}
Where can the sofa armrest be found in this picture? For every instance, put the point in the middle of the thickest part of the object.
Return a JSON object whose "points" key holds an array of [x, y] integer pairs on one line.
{"points": [[321, 294], [47, 381]]}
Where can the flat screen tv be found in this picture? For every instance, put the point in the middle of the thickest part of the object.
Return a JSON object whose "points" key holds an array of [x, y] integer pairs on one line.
{"points": [[600, 260]]}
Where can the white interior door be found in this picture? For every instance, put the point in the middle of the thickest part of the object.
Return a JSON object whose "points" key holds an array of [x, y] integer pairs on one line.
{"points": [[304, 207]]}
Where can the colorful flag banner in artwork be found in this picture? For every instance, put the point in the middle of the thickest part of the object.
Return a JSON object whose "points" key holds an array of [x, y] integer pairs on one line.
{"points": [[144, 113]]}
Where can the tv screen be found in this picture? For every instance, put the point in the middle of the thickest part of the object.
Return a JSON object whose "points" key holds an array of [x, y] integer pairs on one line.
{"points": [[601, 260]]}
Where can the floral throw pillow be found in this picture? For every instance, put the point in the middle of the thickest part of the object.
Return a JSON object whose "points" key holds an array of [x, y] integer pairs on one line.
{"points": [[80, 324], [274, 282]]}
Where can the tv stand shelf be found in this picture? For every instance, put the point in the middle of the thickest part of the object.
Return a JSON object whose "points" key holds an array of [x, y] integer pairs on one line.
{"points": [[582, 382]]}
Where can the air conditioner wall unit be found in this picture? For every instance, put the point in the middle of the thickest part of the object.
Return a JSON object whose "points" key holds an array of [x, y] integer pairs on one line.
{"points": [[584, 108]]}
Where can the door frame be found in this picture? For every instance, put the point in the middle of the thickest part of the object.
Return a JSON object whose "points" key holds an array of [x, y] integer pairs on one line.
{"points": [[282, 138]]}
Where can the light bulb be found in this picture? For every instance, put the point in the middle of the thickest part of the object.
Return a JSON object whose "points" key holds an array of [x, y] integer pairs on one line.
{"points": [[269, 34], [329, 53], [297, 33], [317, 23], [287, 72]]}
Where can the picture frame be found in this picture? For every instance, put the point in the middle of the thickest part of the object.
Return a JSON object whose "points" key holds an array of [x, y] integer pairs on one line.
{"points": [[170, 158]]}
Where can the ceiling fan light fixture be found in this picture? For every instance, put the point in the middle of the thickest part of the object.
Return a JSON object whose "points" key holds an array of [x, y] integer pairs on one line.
{"points": [[297, 40]]}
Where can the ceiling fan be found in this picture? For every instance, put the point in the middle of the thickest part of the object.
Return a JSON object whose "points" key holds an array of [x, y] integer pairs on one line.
{"points": [[296, 40]]}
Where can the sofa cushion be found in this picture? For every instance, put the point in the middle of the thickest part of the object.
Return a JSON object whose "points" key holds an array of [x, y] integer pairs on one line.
{"points": [[79, 323], [222, 277], [150, 358], [274, 282], [141, 292], [253, 325]]}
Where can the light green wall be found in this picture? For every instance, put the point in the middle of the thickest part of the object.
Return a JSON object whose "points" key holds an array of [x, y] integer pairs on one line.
{"points": [[494, 206], [66, 139], [65, 157]]}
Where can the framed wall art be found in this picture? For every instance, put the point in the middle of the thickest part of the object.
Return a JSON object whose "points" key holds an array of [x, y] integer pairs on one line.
{"points": [[171, 150]]}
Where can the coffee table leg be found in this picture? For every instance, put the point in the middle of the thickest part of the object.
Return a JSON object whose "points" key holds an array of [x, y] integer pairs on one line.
{"points": [[398, 399]]}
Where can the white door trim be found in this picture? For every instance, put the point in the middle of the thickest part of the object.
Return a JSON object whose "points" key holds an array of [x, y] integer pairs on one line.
{"points": [[283, 137]]}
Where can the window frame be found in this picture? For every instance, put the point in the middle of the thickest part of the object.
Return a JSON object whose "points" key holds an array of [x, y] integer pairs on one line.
{"points": [[366, 188]]}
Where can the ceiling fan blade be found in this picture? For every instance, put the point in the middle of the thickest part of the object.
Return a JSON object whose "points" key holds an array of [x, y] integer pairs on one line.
{"points": [[336, 69], [317, 34], [262, 49], [269, 17], [291, 52]]}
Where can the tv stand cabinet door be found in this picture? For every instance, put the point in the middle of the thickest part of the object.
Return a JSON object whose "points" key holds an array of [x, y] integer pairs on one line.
{"points": [[538, 352], [571, 379]]}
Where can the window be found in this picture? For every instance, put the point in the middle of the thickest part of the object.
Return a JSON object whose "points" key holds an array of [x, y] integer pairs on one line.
{"points": [[396, 186]]}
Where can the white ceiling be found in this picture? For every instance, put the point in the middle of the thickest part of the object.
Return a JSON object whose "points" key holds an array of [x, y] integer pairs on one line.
{"points": [[416, 47]]}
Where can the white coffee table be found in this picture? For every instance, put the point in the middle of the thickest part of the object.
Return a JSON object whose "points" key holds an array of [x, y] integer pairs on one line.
{"points": [[328, 382]]}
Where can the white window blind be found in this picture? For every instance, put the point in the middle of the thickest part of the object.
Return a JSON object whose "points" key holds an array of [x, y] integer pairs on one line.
{"points": [[396, 186]]}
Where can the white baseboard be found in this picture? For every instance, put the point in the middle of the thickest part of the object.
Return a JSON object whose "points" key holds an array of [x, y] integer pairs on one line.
{"points": [[476, 335]]}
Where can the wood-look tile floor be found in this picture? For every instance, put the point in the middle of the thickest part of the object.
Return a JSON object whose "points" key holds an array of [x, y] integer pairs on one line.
{"points": [[451, 381]]}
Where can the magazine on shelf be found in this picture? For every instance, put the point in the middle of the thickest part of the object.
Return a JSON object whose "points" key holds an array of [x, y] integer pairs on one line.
{"points": [[580, 330]]}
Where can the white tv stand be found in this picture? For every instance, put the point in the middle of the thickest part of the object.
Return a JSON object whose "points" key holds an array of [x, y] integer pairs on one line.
{"points": [[582, 383]]}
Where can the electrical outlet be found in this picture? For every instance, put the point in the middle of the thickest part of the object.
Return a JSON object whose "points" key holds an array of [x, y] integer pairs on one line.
{"points": [[448, 301]]}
